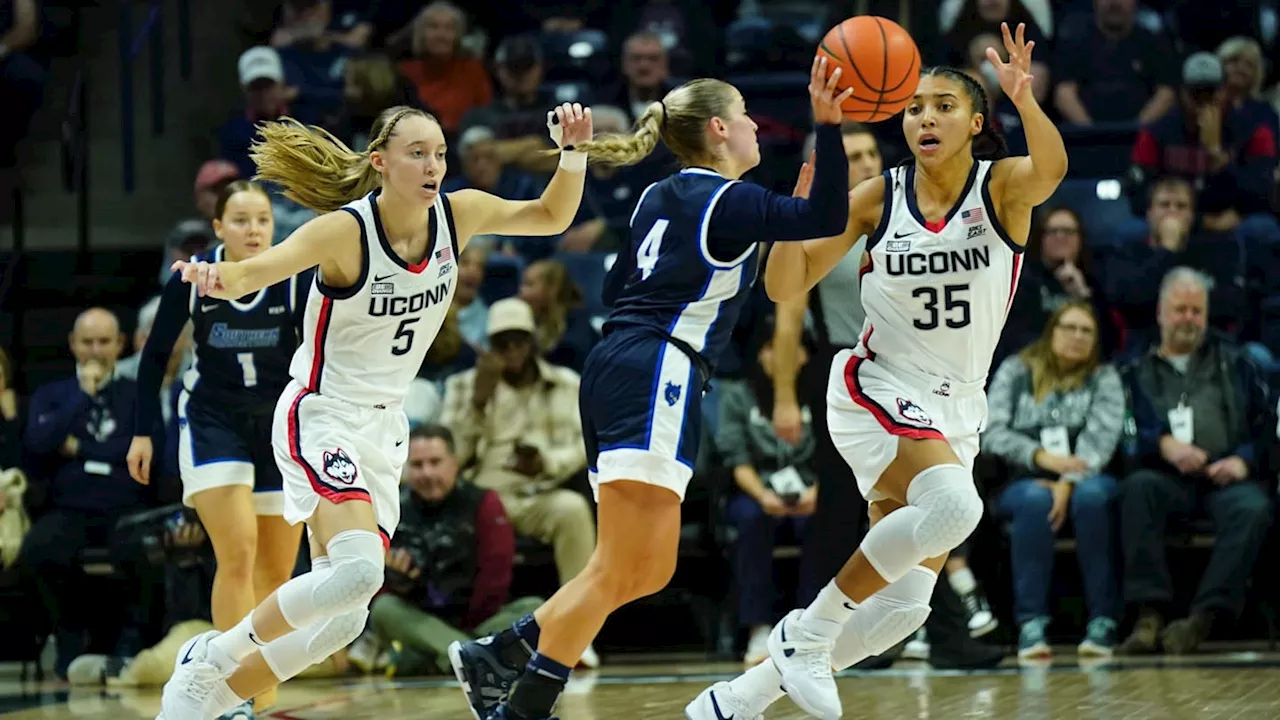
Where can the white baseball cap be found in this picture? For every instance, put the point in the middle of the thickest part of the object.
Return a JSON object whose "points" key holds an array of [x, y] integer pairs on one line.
{"points": [[260, 63]]}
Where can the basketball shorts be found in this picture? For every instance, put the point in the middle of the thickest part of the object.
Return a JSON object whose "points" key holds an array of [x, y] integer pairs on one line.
{"points": [[641, 407], [332, 449], [221, 448], [871, 405]]}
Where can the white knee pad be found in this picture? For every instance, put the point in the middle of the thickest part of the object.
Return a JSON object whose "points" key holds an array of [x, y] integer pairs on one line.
{"points": [[951, 504], [337, 633], [300, 649], [886, 618], [355, 575]]}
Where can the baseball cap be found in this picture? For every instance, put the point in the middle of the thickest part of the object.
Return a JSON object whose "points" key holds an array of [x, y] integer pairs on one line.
{"points": [[510, 314], [1202, 70], [473, 136], [260, 63], [518, 53], [214, 172]]}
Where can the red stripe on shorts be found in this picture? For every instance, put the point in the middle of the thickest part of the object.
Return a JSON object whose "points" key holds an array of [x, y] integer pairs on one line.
{"points": [[882, 416], [325, 490]]}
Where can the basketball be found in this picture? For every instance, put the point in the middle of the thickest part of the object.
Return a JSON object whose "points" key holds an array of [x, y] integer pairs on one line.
{"points": [[879, 60]]}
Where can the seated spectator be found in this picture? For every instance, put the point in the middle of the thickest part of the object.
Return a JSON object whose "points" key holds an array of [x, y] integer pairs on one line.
{"points": [[964, 22], [1202, 414], [449, 353], [483, 168], [22, 77], [518, 114], [1058, 269], [195, 234], [179, 359], [645, 75], [565, 335], [473, 313], [611, 192], [1112, 69], [78, 433], [266, 97], [1228, 155], [371, 85], [1056, 416], [10, 418], [447, 77], [777, 488], [313, 55], [449, 565], [515, 421], [14, 521], [687, 30], [1243, 71], [334, 22]]}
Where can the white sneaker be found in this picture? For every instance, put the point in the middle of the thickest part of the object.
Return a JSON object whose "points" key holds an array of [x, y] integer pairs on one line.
{"points": [[186, 694], [757, 647], [803, 658], [590, 659], [917, 648], [720, 702]]}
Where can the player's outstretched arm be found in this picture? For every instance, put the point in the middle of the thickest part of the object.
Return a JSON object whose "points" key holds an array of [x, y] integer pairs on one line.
{"points": [[479, 213], [1029, 180], [330, 241]]}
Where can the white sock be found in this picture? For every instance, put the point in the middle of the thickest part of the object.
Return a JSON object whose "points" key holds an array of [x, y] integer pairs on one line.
{"points": [[235, 644], [761, 685], [224, 699], [828, 612], [962, 581]]}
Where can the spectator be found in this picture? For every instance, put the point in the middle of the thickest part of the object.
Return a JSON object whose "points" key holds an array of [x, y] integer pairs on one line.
{"points": [[484, 169], [22, 77], [611, 192], [1244, 70], [449, 565], [10, 419], [1202, 412], [473, 313], [777, 488], [645, 75], [565, 335], [179, 360], [14, 521], [314, 54], [1112, 69], [325, 22], [370, 85], [1229, 155], [518, 114], [1058, 269], [78, 432], [687, 30], [195, 235], [449, 353], [266, 98], [968, 20], [515, 418], [447, 77], [1056, 416]]}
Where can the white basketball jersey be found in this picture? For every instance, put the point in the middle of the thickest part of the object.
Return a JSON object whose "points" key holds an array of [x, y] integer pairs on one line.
{"points": [[937, 294], [365, 344]]}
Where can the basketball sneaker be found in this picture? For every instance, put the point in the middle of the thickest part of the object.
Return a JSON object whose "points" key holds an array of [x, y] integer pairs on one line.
{"points": [[803, 658], [188, 691], [499, 712], [720, 702], [243, 711], [486, 678]]}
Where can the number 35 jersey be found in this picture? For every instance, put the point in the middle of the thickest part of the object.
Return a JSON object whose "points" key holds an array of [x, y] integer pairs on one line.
{"points": [[936, 295], [365, 344]]}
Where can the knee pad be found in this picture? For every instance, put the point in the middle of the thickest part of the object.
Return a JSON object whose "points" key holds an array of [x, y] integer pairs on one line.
{"points": [[300, 649], [336, 633], [355, 576], [952, 509], [889, 621]]}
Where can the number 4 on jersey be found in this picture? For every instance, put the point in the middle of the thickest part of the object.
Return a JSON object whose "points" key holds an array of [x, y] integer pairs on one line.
{"points": [[647, 255]]}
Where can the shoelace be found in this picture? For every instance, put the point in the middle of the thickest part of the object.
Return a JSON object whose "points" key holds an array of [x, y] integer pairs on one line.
{"points": [[817, 655], [203, 677]]}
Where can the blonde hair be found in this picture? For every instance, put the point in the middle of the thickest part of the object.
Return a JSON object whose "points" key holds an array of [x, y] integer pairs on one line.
{"points": [[439, 6], [679, 120], [1047, 374], [316, 169], [1247, 46]]}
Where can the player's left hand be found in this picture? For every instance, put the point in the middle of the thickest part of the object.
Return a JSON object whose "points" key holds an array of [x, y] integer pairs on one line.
{"points": [[204, 275], [1015, 75], [804, 182], [570, 124]]}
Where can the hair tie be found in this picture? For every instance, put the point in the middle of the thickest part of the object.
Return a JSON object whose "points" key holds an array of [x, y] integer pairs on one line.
{"points": [[662, 125]]}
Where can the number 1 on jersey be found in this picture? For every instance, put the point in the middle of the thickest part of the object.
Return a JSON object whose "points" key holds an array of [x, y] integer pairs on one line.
{"points": [[248, 368], [647, 255]]}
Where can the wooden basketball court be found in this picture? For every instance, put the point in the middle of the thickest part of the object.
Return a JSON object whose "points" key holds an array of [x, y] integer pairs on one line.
{"points": [[1239, 686]]}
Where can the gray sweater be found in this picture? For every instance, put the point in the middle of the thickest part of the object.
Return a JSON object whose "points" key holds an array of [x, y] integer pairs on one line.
{"points": [[1093, 416], [746, 437]]}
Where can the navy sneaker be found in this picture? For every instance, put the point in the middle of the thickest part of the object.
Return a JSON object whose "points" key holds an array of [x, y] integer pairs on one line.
{"points": [[500, 713], [485, 678]]}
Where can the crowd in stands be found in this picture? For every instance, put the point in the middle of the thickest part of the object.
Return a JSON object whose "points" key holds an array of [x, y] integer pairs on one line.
{"points": [[1129, 395]]}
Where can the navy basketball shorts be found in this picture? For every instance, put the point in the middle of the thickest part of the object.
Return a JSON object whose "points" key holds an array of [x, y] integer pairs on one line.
{"points": [[641, 406], [220, 448], [336, 450]]}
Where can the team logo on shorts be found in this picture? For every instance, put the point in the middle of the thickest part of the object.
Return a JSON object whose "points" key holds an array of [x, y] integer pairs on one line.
{"points": [[671, 393], [338, 465], [913, 412]]}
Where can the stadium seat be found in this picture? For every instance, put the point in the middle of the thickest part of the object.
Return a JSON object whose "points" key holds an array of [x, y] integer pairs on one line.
{"points": [[1101, 150], [581, 55], [1101, 203], [569, 91]]}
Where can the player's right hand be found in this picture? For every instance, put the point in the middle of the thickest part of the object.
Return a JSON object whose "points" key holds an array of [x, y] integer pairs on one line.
{"points": [[139, 459], [824, 93], [204, 275]]}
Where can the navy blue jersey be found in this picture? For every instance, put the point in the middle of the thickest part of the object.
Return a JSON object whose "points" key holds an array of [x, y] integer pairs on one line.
{"points": [[694, 249], [242, 347]]}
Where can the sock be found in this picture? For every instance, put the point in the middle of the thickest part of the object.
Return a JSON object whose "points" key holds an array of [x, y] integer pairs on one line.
{"points": [[536, 693], [224, 699], [235, 644], [962, 581], [828, 612], [762, 681]]}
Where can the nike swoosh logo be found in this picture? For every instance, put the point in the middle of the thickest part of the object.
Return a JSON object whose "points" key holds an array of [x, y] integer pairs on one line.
{"points": [[187, 657], [902, 235], [399, 443], [207, 308], [850, 606], [789, 651], [254, 639], [377, 278], [716, 707]]}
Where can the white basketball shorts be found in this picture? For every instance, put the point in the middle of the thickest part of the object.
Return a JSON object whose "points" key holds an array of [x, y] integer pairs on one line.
{"points": [[870, 406], [341, 452]]}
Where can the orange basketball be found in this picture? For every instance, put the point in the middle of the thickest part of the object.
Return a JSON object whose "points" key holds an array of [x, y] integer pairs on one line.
{"points": [[879, 60]]}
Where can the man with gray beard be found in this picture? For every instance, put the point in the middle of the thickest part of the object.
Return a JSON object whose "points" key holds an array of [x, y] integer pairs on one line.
{"points": [[1202, 411]]}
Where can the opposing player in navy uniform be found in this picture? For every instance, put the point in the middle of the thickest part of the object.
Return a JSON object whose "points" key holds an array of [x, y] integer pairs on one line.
{"points": [[676, 295], [243, 349], [385, 249]]}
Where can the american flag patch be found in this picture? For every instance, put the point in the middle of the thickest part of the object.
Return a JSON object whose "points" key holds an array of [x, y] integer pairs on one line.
{"points": [[444, 255], [970, 217]]}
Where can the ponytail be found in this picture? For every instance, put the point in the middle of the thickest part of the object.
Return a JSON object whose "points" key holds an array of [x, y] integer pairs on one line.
{"points": [[989, 143], [628, 149], [316, 169]]}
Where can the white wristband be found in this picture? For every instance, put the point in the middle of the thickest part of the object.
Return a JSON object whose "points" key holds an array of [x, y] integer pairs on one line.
{"points": [[573, 161]]}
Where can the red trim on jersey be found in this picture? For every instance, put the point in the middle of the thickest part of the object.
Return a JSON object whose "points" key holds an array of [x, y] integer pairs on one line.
{"points": [[325, 490], [882, 416], [866, 342], [935, 226], [1013, 283], [322, 330], [419, 267]]}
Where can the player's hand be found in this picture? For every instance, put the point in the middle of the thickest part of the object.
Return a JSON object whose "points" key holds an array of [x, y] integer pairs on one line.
{"points": [[204, 275], [805, 180], [139, 459], [787, 422], [824, 93], [570, 124], [1015, 75]]}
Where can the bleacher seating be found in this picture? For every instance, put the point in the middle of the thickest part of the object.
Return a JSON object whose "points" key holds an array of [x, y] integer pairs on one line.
{"points": [[1101, 204], [582, 55]]}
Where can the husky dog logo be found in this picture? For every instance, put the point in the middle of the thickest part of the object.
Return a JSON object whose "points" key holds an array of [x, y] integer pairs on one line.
{"points": [[913, 412], [671, 394], [338, 465]]}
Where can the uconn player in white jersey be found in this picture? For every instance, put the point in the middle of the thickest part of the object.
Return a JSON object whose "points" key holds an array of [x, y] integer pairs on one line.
{"points": [[386, 249], [944, 250], [676, 294]]}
